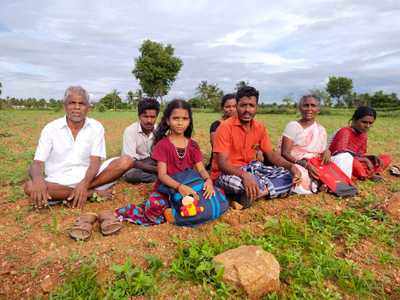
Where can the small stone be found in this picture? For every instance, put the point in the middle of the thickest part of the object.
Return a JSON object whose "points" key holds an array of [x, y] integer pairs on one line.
{"points": [[47, 284], [250, 268]]}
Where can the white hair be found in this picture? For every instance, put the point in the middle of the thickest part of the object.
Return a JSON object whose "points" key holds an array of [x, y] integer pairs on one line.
{"points": [[305, 97], [76, 90]]}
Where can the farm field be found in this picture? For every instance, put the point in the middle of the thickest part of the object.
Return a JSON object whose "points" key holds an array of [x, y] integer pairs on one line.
{"points": [[328, 248]]}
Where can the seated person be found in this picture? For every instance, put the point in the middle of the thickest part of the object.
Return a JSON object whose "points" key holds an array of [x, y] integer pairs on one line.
{"points": [[349, 148], [70, 150], [175, 151], [138, 141], [228, 105], [234, 167], [305, 139]]}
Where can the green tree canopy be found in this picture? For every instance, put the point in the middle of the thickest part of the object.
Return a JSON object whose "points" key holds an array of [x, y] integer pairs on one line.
{"points": [[156, 68], [380, 99], [339, 87], [209, 94], [111, 100], [241, 84]]}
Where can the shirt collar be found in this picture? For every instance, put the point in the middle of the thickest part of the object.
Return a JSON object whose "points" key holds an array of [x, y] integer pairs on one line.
{"points": [[236, 122], [63, 122], [140, 130]]}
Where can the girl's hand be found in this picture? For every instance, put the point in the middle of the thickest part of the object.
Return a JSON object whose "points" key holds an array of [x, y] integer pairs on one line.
{"points": [[208, 188], [185, 190]]}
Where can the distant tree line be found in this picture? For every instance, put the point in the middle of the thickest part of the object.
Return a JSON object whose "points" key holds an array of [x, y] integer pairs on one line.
{"points": [[157, 67]]}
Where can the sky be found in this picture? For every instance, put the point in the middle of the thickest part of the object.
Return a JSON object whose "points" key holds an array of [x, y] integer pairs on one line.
{"points": [[282, 48]]}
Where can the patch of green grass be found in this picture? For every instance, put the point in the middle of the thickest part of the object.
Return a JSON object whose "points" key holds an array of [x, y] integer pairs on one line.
{"points": [[132, 280], [17, 193], [54, 226], [80, 284], [349, 225], [395, 186]]}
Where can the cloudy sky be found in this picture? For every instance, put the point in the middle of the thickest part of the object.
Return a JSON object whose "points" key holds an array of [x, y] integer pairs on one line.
{"points": [[281, 47]]}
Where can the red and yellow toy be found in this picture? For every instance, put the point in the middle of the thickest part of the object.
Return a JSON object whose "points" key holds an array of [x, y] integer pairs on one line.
{"points": [[190, 207]]}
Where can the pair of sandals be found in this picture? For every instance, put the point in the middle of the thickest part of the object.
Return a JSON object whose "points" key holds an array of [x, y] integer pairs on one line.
{"points": [[395, 170], [81, 230]]}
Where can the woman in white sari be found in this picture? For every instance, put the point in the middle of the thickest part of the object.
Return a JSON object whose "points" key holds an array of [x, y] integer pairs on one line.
{"points": [[303, 140]]}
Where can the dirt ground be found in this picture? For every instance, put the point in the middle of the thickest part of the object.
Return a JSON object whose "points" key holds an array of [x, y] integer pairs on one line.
{"points": [[35, 245]]}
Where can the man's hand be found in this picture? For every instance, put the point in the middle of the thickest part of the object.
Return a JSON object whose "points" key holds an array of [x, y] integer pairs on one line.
{"points": [[79, 194], [39, 194], [208, 188], [185, 190], [296, 175], [250, 186]]}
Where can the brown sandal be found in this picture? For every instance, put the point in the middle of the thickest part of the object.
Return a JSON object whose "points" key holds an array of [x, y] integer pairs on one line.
{"points": [[82, 228], [109, 223]]}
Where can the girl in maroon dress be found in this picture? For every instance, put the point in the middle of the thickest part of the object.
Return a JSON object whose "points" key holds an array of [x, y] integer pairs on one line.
{"points": [[175, 151]]}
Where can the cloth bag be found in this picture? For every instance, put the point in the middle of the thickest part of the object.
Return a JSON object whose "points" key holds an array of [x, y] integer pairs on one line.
{"points": [[213, 207], [335, 179]]}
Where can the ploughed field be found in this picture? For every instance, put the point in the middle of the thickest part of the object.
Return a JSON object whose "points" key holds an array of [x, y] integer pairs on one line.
{"points": [[328, 248]]}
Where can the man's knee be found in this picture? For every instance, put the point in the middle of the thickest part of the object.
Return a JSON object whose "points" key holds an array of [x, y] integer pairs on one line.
{"points": [[125, 162], [28, 187]]}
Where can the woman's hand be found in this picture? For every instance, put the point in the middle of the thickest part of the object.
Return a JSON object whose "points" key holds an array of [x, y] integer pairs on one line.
{"points": [[185, 190], [296, 175], [313, 171], [326, 156], [208, 188]]}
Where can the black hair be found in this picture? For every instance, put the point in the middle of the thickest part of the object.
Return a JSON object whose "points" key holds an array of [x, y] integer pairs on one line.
{"points": [[226, 98], [163, 127], [363, 111], [246, 91], [148, 103]]}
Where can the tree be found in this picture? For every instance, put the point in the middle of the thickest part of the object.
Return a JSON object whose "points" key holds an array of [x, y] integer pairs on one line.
{"points": [[241, 84], [133, 98], [288, 101], [380, 99], [338, 88], [0, 88], [209, 94], [156, 68], [111, 100], [323, 96]]}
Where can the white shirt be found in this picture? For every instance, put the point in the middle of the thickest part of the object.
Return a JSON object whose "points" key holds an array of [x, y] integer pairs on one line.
{"points": [[66, 160], [136, 143]]}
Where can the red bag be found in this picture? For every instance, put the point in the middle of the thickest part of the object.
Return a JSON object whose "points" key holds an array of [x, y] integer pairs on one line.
{"points": [[335, 179]]}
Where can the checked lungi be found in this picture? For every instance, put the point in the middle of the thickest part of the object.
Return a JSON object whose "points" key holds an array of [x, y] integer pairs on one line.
{"points": [[278, 180]]}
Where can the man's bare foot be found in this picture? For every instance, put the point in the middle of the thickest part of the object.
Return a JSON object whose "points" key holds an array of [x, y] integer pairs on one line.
{"points": [[169, 217]]}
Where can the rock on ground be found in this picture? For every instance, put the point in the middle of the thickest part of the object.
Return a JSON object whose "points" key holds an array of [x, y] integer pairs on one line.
{"points": [[251, 268]]}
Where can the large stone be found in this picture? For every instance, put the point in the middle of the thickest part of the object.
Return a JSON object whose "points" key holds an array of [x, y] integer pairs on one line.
{"points": [[250, 268], [392, 206]]}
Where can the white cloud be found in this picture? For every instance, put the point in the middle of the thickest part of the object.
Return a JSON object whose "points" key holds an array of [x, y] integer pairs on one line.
{"points": [[280, 47]]}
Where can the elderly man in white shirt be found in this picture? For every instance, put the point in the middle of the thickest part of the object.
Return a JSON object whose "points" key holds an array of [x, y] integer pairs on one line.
{"points": [[70, 151], [138, 141]]}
